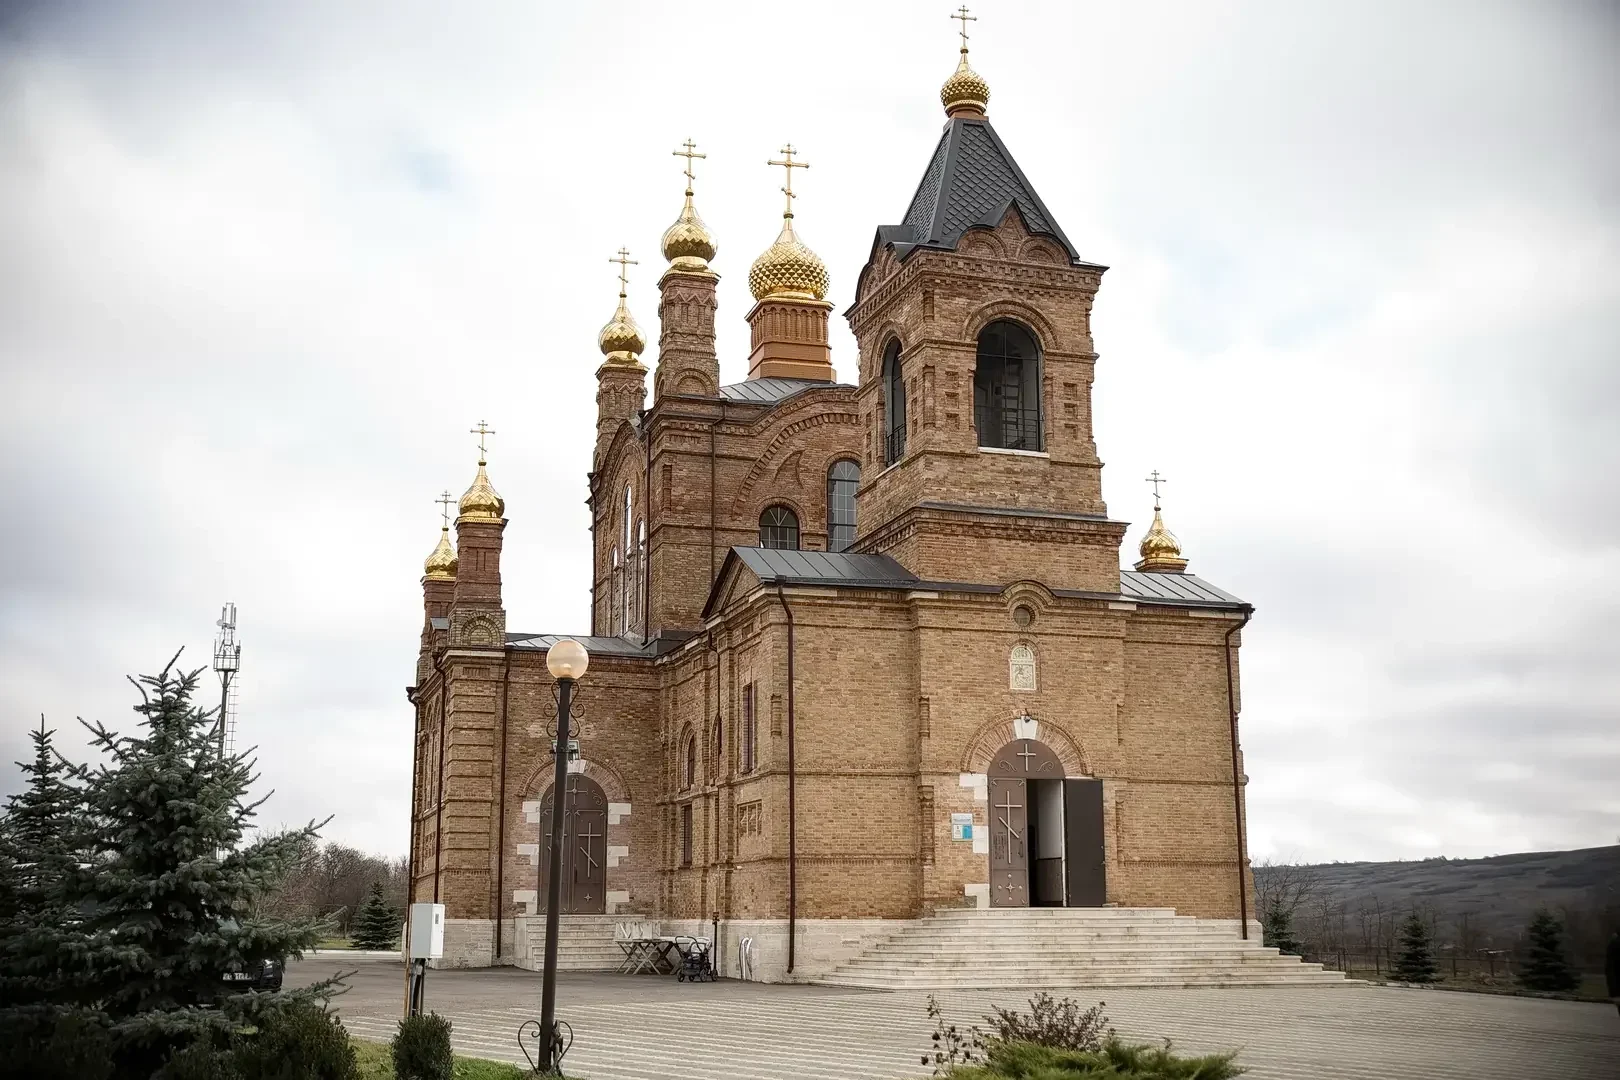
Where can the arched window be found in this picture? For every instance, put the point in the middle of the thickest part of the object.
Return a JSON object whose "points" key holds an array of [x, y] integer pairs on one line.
{"points": [[615, 590], [842, 481], [628, 509], [894, 405], [641, 570], [779, 528], [1021, 668], [689, 770], [1007, 388], [719, 767]]}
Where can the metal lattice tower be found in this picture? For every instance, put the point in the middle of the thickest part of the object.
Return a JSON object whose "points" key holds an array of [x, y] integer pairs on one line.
{"points": [[227, 663]]}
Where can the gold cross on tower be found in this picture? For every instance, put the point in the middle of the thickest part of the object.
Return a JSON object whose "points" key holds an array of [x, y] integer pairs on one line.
{"points": [[688, 152], [789, 165], [625, 262], [1156, 480], [962, 16], [481, 430], [446, 501]]}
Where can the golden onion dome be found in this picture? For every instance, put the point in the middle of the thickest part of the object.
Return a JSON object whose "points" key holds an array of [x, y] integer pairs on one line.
{"points": [[441, 565], [481, 502], [621, 340], [1160, 549], [788, 268], [688, 244], [965, 90]]}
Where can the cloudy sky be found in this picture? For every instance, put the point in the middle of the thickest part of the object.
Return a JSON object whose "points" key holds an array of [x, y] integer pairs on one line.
{"points": [[263, 265]]}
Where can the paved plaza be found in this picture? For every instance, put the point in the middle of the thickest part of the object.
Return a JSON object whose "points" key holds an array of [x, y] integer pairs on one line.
{"points": [[653, 1028]]}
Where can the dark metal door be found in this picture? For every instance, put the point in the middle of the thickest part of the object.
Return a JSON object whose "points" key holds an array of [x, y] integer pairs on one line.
{"points": [[584, 862], [1083, 843], [1009, 842]]}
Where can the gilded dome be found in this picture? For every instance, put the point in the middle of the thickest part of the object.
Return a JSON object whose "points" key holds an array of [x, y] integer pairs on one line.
{"points": [[621, 340], [441, 564], [788, 268], [687, 244], [1160, 549], [964, 90], [482, 502]]}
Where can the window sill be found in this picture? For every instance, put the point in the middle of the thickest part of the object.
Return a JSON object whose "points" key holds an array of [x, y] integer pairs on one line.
{"points": [[1013, 453]]}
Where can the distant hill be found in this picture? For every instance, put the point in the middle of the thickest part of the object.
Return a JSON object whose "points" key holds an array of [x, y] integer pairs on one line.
{"points": [[1496, 896]]}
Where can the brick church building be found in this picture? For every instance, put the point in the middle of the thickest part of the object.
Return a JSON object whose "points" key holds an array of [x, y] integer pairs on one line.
{"points": [[859, 653]]}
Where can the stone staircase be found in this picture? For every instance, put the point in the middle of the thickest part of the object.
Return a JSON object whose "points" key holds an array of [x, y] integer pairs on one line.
{"points": [[1081, 947], [584, 944]]}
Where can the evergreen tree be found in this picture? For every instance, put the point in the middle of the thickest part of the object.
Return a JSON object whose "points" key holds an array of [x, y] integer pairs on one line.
{"points": [[164, 896], [1547, 966], [1415, 962], [377, 924], [40, 841], [1278, 931]]}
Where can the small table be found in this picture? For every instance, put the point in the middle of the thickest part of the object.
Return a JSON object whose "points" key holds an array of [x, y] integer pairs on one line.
{"points": [[660, 955]]}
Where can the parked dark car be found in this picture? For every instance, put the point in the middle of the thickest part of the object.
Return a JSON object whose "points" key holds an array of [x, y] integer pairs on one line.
{"points": [[267, 976]]}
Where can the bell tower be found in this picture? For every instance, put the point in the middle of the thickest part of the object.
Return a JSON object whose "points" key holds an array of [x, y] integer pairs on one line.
{"points": [[973, 320]]}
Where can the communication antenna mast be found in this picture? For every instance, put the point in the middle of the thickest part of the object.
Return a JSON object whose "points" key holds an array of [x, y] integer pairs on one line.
{"points": [[227, 662]]}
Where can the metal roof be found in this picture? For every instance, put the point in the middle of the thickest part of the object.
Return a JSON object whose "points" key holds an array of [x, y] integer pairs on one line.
{"points": [[1172, 588], [770, 390], [844, 569], [970, 181], [598, 646]]}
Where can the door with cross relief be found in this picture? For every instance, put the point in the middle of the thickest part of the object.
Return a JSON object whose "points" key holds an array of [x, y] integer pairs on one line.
{"points": [[1009, 842], [584, 863]]}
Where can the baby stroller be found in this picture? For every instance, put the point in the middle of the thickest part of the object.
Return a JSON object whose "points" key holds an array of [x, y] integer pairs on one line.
{"points": [[697, 961]]}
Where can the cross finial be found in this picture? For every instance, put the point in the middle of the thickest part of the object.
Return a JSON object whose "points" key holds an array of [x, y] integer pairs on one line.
{"points": [[961, 15], [788, 165], [625, 262], [445, 501], [1156, 480], [481, 430], [689, 151]]}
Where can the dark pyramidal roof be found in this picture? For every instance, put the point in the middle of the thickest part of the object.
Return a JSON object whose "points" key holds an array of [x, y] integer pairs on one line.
{"points": [[971, 180]]}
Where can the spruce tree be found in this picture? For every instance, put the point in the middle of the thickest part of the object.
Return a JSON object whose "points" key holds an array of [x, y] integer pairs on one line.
{"points": [[1546, 965], [377, 924], [164, 896], [38, 848], [1415, 962], [1278, 931]]}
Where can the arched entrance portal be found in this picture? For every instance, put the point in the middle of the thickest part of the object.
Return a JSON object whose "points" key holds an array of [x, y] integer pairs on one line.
{"points": [[584, 862], [1046, 831]]}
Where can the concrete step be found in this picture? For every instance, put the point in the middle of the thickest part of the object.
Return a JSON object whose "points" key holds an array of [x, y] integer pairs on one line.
{"points": [[1117, 980]]}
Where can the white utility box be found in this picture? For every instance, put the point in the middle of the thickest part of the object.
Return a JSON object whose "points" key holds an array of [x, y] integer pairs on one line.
{"points": [[427, 931]]}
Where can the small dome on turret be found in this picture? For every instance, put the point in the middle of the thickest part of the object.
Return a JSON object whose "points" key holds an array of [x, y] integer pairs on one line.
{"points": [[441, 564], [788, 268], [621, 340], [1160, 550], [481, 502], [965, 90], [688, 244]]}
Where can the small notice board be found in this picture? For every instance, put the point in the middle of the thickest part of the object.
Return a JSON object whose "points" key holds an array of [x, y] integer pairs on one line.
{"points": [[961, 826]]}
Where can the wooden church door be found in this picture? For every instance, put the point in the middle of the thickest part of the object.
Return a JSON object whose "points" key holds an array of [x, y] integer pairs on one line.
{"points": [[584, 863]]}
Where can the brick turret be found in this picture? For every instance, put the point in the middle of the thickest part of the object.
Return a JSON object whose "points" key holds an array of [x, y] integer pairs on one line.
{"points": [[476, 615]]}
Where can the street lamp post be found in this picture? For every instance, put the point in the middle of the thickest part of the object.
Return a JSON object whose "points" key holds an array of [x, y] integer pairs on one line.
{"points": [[566, 661]]}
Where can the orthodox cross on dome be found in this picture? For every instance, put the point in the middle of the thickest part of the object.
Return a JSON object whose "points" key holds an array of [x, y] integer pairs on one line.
{"points": [[689, 151], [962, 16], [1156, 480], [788, 165], [625, 262], [446, 501], [481, 430]]}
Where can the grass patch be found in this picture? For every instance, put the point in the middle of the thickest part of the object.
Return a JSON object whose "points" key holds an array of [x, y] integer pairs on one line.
{"points": [[377, 1063], [334, 943]]}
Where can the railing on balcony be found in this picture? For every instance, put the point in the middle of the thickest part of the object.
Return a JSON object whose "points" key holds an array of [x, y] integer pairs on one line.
{"points": [[1009, 429], [894, 446]]}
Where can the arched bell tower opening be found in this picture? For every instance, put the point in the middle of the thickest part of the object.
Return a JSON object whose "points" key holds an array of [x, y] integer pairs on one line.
{"points": [[1046, 831]]}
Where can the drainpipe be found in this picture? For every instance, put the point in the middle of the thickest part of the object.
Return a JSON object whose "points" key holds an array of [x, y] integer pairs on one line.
{"points": [[500, 849], [1237, 779], [793, 846], [416, 809], [712, 482], [438, 818], [644, 556]]}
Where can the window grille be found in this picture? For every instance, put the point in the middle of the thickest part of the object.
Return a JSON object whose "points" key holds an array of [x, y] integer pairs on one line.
{"points": [[750, 729], [1007, 388], [686, 834], [894, 405], [779, 528]]}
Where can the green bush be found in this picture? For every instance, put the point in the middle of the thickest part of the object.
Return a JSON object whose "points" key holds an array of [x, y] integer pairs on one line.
{"points": [[304, 1042], [1058, 1024], [67, 1046], [1114, 1060], [200, 1061], [422, 1049]]}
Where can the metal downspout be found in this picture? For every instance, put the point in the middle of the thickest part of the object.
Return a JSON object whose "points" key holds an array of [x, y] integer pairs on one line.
{"points": [[793, 845], [438, 818], [1237, 779], [500, 846]]}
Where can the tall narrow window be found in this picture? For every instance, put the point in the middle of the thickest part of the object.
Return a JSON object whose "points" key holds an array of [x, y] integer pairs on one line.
{"points": [[894, 405], [779, 528], [689, 775], [750, 730], [842, 481], [1007, 388], [629, 508], [718, 769], [615, 592], [641, 571], [686, 834]]}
